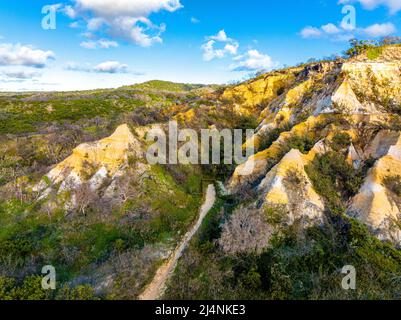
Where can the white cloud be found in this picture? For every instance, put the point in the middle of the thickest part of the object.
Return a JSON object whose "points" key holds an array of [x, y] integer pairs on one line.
{"points": [[380, 30], [232, 48], [124, 19], [20, 74], [393, 5], [137, 31], [137, 8], [112, 67], [311, 32], [195, 20], [99, 44], [229, 46], [94, 24], [87, 67], [342, 33], [88, 35], [220, 46], [22, 55], [253, 60], [221, 36], [70, 12], [209, 53], [331, 28], [72, 66]]}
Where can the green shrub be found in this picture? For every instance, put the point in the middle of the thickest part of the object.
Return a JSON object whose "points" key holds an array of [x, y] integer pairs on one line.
{"points": [[211, 226], [341, 141], [276, 215], [358, 47], [374, 53], [81, 292], [334, 179], [6, 286], [301, 143], [30, 289], [294, 268]]}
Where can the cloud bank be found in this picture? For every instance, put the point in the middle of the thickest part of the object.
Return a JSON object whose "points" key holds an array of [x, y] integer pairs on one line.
{"points": [[340, 33], [253, 60], [123, 19], [110, 67], [23, 55]]}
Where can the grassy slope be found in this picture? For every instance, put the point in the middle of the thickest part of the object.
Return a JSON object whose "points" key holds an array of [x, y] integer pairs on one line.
{"points": [[81, 246], [166, 86], [21, 113]]}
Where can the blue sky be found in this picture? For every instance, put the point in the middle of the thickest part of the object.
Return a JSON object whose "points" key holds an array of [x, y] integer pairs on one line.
{"points": [[109, 43]]}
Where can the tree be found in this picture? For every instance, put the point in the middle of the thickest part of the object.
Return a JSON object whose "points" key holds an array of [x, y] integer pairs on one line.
{"points": [[246, 231], [85, 198], [359, 46]]}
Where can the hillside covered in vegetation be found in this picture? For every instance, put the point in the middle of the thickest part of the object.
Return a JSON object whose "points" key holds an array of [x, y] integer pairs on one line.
{"points": [[77, 193]]}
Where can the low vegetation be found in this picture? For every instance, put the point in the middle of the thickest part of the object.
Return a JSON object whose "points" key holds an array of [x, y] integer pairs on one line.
{"points": [[84, 244], [292, 267], [373, 49], [166, 86]]}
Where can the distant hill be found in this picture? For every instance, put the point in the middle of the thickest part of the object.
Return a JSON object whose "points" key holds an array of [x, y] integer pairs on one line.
{"points": [[166, 86]]}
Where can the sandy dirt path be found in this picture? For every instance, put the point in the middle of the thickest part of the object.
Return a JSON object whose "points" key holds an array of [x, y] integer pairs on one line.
{"points": [[156, 288]]}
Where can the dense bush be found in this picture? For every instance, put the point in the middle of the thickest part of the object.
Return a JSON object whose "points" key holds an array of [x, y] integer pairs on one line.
{"points": [[82, 292], [245, 231], [358, 47], [334, 178], [341, 141], [78, 243], [301, 143], [31, 289], [294, 268]]}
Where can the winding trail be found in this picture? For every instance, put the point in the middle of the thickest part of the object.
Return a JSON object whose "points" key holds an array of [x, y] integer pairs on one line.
{"points": [[156, 288]]}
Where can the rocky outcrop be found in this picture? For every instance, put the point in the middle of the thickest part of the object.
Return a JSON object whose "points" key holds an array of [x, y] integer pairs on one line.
{"points": [[381, 144], [376, 204], [387, 54], [321, 100], [350, 88], [249, 96], [94, 163], [288, 185], [261, 161], [369, 87]]}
